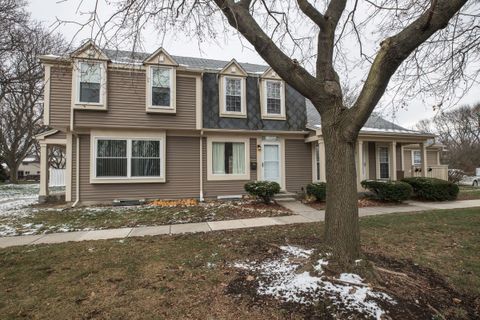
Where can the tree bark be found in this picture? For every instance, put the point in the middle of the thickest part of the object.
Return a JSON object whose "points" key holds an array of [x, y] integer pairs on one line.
{"points": [[12, 171], [342, 233]]}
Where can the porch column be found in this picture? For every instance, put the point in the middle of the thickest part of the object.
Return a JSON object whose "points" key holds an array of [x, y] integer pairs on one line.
{"points": [[43, 172], [359, 164], [321, 151], [423, 153], [394, 160]]}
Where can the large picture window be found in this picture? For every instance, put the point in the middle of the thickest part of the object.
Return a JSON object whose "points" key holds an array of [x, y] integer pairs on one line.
{"points": [[233, 94], [90, 82], [128, 158], [228, 158], [161, 87]]}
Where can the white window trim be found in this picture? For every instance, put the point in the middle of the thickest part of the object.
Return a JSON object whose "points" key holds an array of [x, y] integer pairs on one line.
{"points": [[129, 136], [413, 157], [223, 97], [316, 175], [263, 98], [377, 151], [232, 177], [161, 109], [76, 103]]}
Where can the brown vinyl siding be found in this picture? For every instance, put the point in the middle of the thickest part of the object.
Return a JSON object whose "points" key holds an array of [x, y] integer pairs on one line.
{"points": [[127, 102], [60, 93], [298, 165], [182, 175], [58, 135], [213, 189], [432, 158]]}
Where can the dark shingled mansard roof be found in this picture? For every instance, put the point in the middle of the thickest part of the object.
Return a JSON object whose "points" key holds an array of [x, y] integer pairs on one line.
{"points": [[129, 57], [374, 123]]}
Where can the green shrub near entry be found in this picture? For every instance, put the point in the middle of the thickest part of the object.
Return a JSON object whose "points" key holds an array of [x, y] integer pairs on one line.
{"points": [[433, 189], [395, 191], [318, 190], [264, 190]]}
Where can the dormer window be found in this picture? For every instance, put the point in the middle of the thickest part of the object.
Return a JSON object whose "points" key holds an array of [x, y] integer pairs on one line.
{"points": [[90, 87], [233, 94], [161, 87], [90, 82], [161, 82], [272, 96], [232, 88]]}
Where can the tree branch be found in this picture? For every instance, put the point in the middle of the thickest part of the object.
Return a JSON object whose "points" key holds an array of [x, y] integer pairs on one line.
{"points": [[392, 53], [311, 12], [240, 18]]}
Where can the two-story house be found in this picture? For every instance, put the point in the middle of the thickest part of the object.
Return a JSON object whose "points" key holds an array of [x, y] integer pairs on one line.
{"points": [[149, 126]]}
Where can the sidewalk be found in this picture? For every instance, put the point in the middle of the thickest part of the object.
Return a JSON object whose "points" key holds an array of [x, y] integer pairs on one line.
{"points": [[302, 214]]}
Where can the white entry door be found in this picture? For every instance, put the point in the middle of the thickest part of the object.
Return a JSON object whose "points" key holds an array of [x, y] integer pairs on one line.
{"points": [[271, 162]]}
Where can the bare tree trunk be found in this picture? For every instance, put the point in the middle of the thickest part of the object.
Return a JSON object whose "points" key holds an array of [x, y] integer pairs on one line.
{"points": [[342, 231], [13, 170]]}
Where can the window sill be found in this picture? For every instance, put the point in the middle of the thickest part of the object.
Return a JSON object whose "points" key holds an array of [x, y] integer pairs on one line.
{"points": [[90, 106], [126, 180], [233, 115], [228, 177], [161, 110], [273, 117]]}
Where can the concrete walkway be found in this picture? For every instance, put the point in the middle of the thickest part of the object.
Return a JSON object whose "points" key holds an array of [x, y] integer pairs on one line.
{"points": [[302, 214]]}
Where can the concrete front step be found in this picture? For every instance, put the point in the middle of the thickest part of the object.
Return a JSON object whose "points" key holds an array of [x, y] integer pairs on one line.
{"points": [[284, 199]]}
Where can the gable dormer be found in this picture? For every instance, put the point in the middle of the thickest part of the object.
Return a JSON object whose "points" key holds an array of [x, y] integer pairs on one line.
{"points": [[89, 78], [272, 96], [232, 91], [160, 82]]}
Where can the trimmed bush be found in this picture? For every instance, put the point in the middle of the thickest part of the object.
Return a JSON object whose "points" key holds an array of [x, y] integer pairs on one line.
{"points": [[318, 190], [395, 191], [433, 189], [264, 190]]}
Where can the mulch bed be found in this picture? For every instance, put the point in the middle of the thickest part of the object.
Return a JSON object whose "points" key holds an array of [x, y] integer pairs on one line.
{"points": [[362, 203]]}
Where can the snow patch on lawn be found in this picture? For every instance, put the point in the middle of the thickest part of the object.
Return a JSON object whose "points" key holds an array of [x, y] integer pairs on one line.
{"points": [[282, 279]]}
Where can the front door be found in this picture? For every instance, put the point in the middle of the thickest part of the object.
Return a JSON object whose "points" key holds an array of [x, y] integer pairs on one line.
{"points": [[271, 162]]}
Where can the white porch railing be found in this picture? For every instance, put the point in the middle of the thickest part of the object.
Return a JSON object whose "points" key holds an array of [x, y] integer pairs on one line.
{"points": [[436, 171], [56, 177]]}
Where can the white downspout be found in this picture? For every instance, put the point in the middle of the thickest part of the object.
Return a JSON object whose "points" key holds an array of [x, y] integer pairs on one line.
{"points": [[77, 171], [201, 167]]}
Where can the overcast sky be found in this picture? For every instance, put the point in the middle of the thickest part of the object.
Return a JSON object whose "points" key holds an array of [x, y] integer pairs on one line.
{"points": [[48, 11]]}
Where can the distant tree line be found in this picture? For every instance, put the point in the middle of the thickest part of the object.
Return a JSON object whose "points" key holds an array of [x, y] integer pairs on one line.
{"points": [[459, 131]]}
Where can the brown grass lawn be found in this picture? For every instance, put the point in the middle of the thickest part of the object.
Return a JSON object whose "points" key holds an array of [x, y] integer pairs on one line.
{"points": [[185, 277], [468, 193]]}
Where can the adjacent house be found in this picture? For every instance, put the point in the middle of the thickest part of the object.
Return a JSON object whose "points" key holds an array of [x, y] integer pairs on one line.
{"points": [[139, 126]]}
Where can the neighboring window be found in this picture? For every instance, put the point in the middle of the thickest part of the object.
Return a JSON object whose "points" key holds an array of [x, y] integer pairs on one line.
{"points": [[384, 162], [416, 158], [161, 87], [228, 158], [128, 158], [274, 97], [317, 162], [90, 80], [145, 158], [233, 94], [111, 158]]}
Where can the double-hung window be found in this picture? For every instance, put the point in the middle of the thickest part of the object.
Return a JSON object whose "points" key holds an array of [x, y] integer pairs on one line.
{"points": [[161, 89], [317, 162], [416, 158], [273, 104], [383, 159], [128, 159], [90, 89], [228, 159], [233, 94]]}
